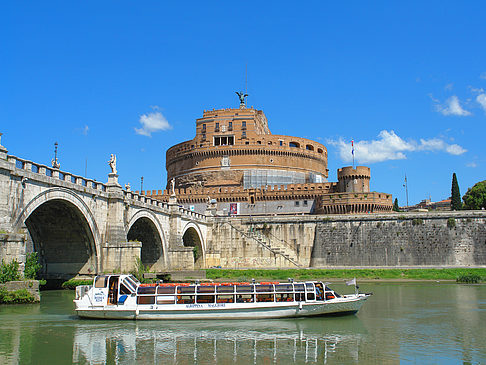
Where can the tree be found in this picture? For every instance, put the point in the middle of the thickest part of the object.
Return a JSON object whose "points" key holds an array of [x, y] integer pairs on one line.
{"points": [[475, 198], [396, 208], [456, 203]]}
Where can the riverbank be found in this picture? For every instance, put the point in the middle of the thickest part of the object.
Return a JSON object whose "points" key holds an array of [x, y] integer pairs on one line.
{"points": [[450, 274]]}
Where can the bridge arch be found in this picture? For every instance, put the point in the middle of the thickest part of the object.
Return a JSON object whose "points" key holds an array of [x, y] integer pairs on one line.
{"points": [[193, 237], [64, 233], [144, 226]]}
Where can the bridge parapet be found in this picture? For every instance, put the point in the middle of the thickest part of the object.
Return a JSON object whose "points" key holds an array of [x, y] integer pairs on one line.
{"points": [[44, 171]]}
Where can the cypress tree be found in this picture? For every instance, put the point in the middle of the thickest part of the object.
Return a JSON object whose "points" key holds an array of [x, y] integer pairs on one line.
{"points": [[456, 203], [396, 208]]}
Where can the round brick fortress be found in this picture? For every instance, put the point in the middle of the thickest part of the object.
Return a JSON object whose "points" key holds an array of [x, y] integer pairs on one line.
{"points": [[234, 147]]}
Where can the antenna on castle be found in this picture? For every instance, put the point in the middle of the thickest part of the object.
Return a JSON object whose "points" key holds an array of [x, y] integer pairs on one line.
{"points": [[246, 78]]}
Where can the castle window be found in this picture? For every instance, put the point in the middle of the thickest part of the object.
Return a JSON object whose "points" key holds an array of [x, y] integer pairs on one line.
{"points": [[269, 143], [243, 125], [297, 203], [309, 147], [305, 203], [259, 142], [281, 143], [247, 142], [243, 134], [230, 126], [204, 127], [203, 137], [294, 144], [319, 150], [216, 128], [224, 141]]}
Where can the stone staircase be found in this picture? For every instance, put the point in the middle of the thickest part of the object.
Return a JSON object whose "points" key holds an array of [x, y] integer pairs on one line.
{"points": [[278, 250]]}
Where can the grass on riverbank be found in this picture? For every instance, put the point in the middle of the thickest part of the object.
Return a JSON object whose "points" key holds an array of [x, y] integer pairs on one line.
{"points": [[305, 274], [21, 296]]}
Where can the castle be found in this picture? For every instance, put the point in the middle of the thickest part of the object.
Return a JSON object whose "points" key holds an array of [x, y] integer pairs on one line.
{"points": [[236, 165]]}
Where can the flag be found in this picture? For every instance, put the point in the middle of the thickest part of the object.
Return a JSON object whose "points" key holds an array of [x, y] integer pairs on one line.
{"points": [[351, 282], [352, 147]]}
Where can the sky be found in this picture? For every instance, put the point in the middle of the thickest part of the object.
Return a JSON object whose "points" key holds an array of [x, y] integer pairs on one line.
{"points": [[405, 80]]}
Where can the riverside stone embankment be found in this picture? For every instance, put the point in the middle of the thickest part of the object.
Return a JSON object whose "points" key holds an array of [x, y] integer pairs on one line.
{"points": [[454, 239]]}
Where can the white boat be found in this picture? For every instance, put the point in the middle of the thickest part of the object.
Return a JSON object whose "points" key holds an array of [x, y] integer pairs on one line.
{"points": [[119, 296]]}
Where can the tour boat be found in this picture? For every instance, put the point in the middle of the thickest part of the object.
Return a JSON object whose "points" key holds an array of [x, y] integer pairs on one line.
{"points": [[119, 296]]}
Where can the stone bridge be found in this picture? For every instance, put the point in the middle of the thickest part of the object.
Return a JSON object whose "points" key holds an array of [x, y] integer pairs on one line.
{"points": [[80, 226]]}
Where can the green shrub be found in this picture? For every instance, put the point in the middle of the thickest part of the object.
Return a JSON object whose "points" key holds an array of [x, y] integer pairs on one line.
{"points": [[451, 223], [9, 272], [139, 270], [16, 296], [71, 284], [417, 221], [469, 279], [32, 266]]}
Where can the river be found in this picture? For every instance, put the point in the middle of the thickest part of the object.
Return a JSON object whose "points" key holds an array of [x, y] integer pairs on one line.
{"points": [[409, 323]]}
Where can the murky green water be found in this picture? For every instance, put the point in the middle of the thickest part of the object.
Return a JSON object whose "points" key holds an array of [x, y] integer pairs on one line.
{"points": [[402, 323]]}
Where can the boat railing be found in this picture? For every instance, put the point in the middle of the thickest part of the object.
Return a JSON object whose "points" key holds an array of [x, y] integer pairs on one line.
{"points": [[82, 290]]}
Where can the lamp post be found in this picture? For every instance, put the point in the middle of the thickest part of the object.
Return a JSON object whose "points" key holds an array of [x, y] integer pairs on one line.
{"points": [[55, 162]]}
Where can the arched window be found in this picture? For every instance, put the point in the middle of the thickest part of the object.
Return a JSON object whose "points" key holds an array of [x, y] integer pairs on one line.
{"points": [[294, 144], [309, 147]]}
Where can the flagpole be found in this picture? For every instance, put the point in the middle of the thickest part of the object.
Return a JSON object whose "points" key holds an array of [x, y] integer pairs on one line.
{"points": [[352, 150]]}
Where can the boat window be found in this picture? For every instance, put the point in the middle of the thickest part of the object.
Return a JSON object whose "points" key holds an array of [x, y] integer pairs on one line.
{"points": [[244, 298], [311, 296], [264, 288], [284, 288], [146, 290], [165, 290], [185, 299], [264, 297], [101, 281], [185, 289], [225, 289], [205, 299], [284, 297], [146, 299], [225, 298], [129, 285], [244, 288], [205, 289], [309, 287], [299, 297], [124, 290], [319, 291], [133, 279], [299, 287], [166, 299]]}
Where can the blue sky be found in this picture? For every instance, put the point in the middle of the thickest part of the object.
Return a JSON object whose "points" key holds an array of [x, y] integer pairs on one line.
{"points": [[405, 80]]}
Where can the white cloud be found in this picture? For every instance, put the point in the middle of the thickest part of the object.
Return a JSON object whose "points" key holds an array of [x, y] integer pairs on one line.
{"points": [[455, 149], [472, 164], [452, 106], [85, 130], [152, 122], [389, 146], [481, 99]]}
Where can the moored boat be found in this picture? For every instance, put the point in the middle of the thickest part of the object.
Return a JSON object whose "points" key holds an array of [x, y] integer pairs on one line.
{"points": [[119, 296]]}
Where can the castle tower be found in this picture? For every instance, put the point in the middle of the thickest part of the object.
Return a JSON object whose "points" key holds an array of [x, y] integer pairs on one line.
{"points": [[354, 180], [235, 148]]}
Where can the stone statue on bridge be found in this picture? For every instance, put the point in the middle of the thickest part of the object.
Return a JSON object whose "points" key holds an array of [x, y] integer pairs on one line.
{"points": [[112, 163]]}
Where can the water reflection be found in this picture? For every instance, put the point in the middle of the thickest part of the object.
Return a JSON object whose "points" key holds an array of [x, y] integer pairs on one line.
{"points": [[223, 342]]}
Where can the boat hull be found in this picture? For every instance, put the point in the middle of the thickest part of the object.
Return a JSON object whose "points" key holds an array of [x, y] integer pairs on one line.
{"points": [[339, 306]]}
